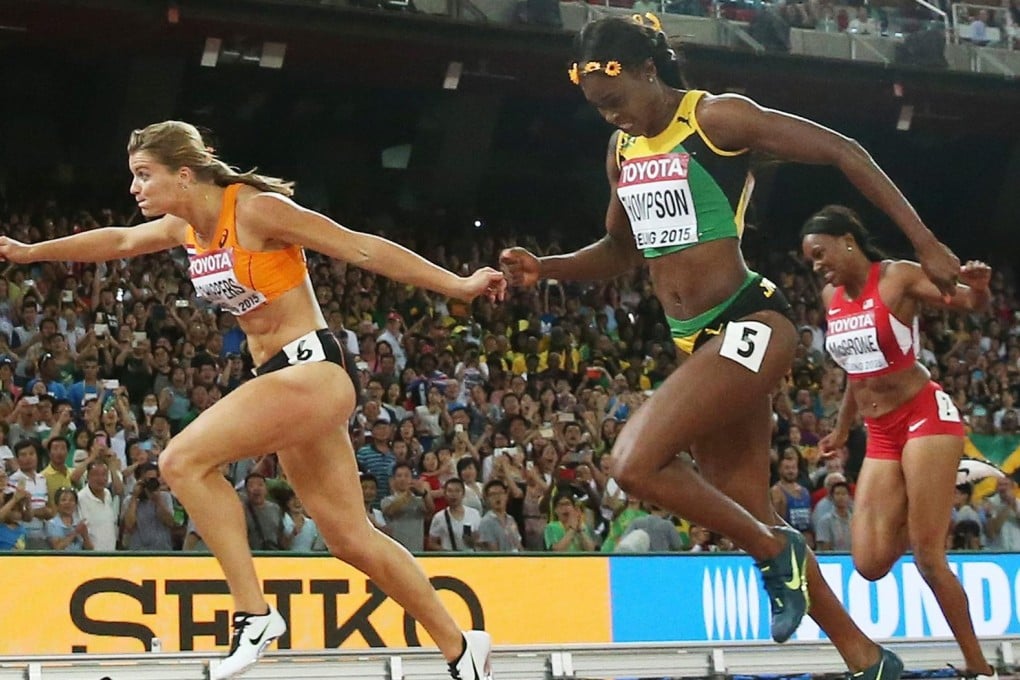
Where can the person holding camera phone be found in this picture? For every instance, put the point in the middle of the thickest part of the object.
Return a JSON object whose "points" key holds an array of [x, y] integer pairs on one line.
{"points": [[245, 241], [148, 518], [97, 450], [455, 528]]}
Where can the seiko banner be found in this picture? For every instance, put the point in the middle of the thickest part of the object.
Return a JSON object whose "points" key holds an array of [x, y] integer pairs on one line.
{"points": [[118, 604]]}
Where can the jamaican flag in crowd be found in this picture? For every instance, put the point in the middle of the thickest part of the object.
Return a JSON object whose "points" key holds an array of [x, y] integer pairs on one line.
{"points": [[1001, 449]]}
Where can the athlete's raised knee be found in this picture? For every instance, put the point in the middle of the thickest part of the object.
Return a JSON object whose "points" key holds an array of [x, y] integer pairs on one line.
{"points": [[872, 569]]}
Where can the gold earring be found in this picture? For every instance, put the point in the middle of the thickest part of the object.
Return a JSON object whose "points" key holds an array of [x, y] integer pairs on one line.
{"points": [[849, 248]]}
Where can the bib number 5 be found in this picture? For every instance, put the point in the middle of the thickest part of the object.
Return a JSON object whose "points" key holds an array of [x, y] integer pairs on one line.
{"points": [[745, 342]]}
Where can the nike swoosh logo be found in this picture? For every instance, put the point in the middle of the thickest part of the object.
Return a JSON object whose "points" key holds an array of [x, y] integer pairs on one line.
{"points": [[794, 582], [878, 675], [913, 426], [256, 640], [835, 310]]}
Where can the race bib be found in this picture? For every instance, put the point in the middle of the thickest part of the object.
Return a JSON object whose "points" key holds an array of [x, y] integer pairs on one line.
{"points": [[852, 341], [305, 350], [656, 196], [212, 274]]}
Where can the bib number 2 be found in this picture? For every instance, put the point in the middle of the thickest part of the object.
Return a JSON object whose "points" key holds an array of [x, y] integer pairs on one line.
{"points": [[745, 342]]}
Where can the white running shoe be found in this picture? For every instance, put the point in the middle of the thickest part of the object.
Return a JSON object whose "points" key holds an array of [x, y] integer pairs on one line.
{"points": [[964, 675], [475, 662], [252, 635]]}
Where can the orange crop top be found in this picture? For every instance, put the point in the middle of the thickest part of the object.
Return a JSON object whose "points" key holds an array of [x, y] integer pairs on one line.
{"points": [[235, 279]]}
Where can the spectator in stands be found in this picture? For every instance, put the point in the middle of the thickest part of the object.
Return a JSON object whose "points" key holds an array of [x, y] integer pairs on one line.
{"points": [[27, 453], [407, 508], [57, 474], [569, 532], [1002, 510], [23, 419], [791, 500], [298, 532], [263, 517], [99, 507], [370, 492], [148, 515], [632, 510], [14, 507], [474, 491], [963, 510], [99, 451], [658, 526], [67, 531], [48, 373], [965, 535], [455, 527], [89, 384], [497, 531], [833, 529], [376, 458]]}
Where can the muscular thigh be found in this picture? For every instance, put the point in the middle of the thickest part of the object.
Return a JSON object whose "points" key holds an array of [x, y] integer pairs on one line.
{"points": [[713, 391], [735, 459], [880, 510], [270, 413]]}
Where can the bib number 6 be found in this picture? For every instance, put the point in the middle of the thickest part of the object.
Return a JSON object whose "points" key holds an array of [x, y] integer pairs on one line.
{"points": [[745, 342]]}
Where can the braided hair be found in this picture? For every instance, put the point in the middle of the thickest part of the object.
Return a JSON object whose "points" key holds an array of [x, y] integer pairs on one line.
{"points": [[631, 42]]}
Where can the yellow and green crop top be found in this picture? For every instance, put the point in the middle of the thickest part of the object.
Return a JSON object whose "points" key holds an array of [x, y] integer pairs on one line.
{"points": [[678, 189]]}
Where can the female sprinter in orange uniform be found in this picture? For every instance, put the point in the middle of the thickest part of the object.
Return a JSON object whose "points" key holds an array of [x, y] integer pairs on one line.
{"points": [[915, 436], [680, 179], [245, 240]]}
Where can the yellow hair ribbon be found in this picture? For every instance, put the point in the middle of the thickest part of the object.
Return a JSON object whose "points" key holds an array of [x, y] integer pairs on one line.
{"points": [[649, 20]]}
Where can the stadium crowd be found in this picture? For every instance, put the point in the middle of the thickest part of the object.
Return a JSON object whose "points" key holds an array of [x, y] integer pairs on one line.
{"points": [[483, 427]]}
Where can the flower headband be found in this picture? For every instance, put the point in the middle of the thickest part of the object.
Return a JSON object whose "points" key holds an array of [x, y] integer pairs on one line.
{"points": [[611, 68]]}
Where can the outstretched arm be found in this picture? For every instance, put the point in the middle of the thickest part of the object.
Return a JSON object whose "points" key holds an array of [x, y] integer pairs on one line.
{"points": [[612, 255], [99, 245], [733, 122], [276, 218], [971, 296]]}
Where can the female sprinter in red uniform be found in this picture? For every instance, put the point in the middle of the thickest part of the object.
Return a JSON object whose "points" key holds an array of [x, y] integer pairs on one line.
{"points": [[245, 240], [915, 436]]}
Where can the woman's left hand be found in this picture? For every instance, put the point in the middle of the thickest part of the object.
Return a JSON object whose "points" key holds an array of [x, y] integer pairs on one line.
{"points": [[976, 274], [485, 281]]}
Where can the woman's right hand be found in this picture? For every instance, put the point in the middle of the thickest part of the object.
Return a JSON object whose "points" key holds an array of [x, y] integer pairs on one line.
{"points": [[520, 267], [831, 443], [14, 251]]}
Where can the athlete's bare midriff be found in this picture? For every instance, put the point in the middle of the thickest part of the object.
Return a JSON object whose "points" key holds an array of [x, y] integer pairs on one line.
{"points": [[883, 394], [692, 281], [273, 325]]}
